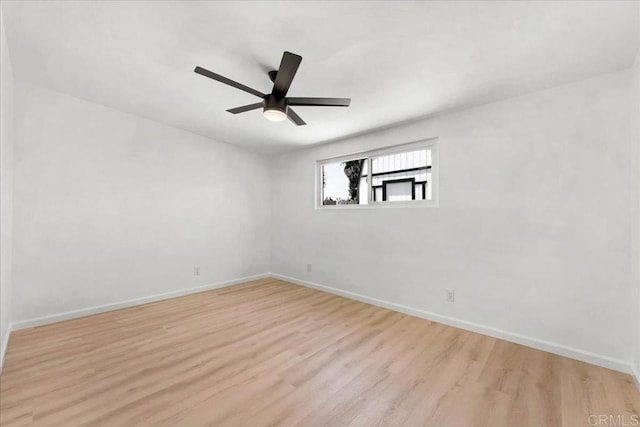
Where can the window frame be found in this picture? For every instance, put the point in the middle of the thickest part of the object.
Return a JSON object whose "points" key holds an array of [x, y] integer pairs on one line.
{"points": [[428, 144]]}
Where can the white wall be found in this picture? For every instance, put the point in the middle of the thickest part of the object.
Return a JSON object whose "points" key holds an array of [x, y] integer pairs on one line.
{"points": [[635, 122], [532, 230], [6, 191], [110, 207]]}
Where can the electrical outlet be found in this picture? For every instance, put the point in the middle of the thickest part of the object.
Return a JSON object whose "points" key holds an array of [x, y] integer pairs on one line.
{"points": [[308, 268], [451, 295], [196, 271]]}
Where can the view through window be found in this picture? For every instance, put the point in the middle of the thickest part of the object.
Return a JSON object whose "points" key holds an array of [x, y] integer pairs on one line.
{"points": [[380, 176], [401, 176], [345, 183]]}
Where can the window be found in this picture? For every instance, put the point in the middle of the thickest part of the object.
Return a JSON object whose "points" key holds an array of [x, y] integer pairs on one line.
{"points": [[395, 176]]}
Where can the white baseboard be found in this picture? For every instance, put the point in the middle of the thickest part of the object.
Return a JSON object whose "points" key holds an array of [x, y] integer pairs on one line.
{"points": [[562, 350], [53, 318], [4, 345], [636, 375]]}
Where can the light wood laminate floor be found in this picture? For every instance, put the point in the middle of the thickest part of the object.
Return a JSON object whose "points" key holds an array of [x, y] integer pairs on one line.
{"points": [[273, 353]]}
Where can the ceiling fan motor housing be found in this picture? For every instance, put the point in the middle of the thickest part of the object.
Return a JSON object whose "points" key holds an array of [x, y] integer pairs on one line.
{"points": [[273, 102]]}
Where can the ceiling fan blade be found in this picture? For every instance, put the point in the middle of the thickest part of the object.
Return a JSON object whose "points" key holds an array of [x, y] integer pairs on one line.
{"points": [[287, 71], [320, 102], [295, 118], [246, 108], [227, 81]]}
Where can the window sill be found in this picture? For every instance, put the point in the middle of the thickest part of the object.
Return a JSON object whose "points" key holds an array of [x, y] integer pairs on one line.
{"points": [[383, 205]]}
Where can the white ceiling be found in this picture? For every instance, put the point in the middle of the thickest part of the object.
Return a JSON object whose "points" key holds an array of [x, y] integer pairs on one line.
{"points": [[397, 61]]}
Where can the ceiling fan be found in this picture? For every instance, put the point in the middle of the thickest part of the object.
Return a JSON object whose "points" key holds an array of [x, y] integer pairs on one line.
{"points": [[276, 105]]}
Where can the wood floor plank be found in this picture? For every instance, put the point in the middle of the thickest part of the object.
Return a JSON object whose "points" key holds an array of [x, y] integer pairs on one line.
{"points": [[269, 352]]}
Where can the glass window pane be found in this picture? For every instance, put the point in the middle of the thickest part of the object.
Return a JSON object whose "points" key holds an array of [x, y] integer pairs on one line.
{"points": [[344, 182], [401, 176]]}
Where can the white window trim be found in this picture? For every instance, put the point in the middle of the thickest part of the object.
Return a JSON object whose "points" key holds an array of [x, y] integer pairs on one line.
{"points": [[430, 144]]}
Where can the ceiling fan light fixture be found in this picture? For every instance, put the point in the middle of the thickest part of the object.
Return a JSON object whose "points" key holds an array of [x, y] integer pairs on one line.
{"points": [[274, 114]]}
